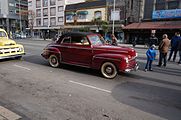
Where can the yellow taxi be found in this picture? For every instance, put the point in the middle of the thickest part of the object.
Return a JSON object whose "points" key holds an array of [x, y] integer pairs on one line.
{"points": [[9, 48]]}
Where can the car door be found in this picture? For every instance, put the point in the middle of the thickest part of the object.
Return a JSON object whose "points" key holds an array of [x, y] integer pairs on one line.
{"points": [[64, 47], [81, 51]]}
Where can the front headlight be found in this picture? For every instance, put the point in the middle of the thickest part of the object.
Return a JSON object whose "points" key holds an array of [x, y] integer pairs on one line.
{"points": [[21, 49]]}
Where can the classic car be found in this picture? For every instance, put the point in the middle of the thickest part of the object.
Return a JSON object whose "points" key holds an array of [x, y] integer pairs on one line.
{"points": [[9, 48], [88, 50]]}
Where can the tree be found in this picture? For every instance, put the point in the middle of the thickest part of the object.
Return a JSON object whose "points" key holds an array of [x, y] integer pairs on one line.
{"points": [[31, 18], [101, 24]]}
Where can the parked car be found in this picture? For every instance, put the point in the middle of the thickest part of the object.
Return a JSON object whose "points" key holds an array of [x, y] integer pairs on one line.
{"points": [[87, 50], [9, 48]]}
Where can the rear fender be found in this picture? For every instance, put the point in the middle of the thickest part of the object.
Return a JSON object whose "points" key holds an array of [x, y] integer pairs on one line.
{"points": [[99, 59]]}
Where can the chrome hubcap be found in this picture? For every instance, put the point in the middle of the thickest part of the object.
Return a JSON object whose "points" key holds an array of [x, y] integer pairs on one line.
{"points": [[109, 70]]}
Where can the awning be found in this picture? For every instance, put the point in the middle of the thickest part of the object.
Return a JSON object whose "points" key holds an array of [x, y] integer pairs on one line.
{"points": [[70, 13], [82, 13], [155, 25]]}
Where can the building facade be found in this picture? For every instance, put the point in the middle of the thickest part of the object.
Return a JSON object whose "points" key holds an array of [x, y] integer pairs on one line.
{"points": [[83, 15], [47, 17], [13, 15], [159, 17]]}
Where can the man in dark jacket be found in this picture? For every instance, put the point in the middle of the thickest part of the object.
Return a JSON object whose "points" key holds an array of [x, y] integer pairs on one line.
{"points": [[174, 46], [153, 40]]}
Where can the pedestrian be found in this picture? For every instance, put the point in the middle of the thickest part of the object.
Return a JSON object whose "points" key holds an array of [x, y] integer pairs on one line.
{"points": [[153, 40], [163, 49], [179, 49], [114, 40], [174, 46], [134, 41], [151, 54]]}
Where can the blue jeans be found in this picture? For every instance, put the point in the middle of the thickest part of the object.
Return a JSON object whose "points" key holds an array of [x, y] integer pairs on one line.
{"points": [[180, 57], [171, 52], [148, 64]]}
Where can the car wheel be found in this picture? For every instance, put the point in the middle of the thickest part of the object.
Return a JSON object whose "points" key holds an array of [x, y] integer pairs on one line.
{"points": [[108, 70], [54, 61]]}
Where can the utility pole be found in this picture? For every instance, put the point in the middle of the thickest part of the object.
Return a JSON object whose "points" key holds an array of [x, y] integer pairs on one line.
{"points": [[114, 9], [20, 24]]}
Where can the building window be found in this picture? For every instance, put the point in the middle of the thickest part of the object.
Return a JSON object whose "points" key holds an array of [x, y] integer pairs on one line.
{"points": [[97, 14], [60, 8], [52, 2], [38, 3], [38, 13], [45, 22], [53, 21], [69, 17], [60, 19], [29, 3], [82, 15], [45, 3], [45, 12], [52, 11], [38, 22], [173, 5]]}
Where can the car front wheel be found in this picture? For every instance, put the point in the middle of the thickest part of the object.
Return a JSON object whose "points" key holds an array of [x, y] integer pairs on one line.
{"points": [[54, 61], [108, 70]]}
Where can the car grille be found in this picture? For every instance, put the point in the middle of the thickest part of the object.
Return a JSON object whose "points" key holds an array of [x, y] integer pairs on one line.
{"points": [[9, 50]]}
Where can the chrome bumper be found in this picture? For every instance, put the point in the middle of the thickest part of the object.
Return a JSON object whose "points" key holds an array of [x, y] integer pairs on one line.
{"points": [[11, 56], [132, 69]]}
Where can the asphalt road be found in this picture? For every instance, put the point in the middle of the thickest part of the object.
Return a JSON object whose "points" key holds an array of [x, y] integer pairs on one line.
{"points": [[35, 91]]}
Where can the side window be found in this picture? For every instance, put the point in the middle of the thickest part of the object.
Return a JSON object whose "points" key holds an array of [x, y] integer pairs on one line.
{"points": [[66, 40], [79, 40]]}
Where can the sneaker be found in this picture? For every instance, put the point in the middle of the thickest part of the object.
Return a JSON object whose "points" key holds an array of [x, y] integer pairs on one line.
{"points": [[150, 69], [146, 70]]}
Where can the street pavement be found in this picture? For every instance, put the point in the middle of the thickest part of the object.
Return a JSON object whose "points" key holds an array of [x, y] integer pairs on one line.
{"points": [[32, 90]]}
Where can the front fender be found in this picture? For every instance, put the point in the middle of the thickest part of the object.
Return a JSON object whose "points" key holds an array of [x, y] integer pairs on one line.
{"points": [[99, 59]]}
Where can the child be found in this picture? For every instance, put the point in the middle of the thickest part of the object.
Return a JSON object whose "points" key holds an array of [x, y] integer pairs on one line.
{"points": [[151, 54]]}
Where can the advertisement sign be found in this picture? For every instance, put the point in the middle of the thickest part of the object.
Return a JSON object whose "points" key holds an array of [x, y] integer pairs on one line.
{"points": [[166, 14]]}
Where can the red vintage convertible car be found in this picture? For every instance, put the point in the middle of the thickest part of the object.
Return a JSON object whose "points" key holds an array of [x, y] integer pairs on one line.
{"points": [[88, 50]]}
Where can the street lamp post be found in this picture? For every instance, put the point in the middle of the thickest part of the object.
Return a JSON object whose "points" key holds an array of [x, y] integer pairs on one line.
{"points": [[20, 24], [114, 9]]}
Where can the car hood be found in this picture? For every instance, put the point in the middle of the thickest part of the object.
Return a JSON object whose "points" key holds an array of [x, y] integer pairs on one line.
{"points": [[116, 49], [6, 41]]}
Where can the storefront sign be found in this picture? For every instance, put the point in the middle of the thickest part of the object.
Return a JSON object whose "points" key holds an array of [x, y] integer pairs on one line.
{"points": [[166, 14]]}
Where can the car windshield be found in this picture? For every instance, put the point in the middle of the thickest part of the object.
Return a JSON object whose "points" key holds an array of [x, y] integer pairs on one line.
{"points": [[2, 34], [95, 40]]}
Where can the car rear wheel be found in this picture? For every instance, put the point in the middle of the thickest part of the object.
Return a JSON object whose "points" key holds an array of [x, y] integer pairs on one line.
{"points": [[108, 70], [54, 61]]}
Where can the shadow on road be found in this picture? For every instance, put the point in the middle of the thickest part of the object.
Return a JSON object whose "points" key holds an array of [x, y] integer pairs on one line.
{"points": [[159, 101]]}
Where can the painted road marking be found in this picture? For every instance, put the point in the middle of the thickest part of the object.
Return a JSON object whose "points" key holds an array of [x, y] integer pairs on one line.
{"points": [[22, 67], [93, 87], [6, 114]]}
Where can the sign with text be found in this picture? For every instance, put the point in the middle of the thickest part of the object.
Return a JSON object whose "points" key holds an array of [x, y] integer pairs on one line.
{"points": [[166, 14]]}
